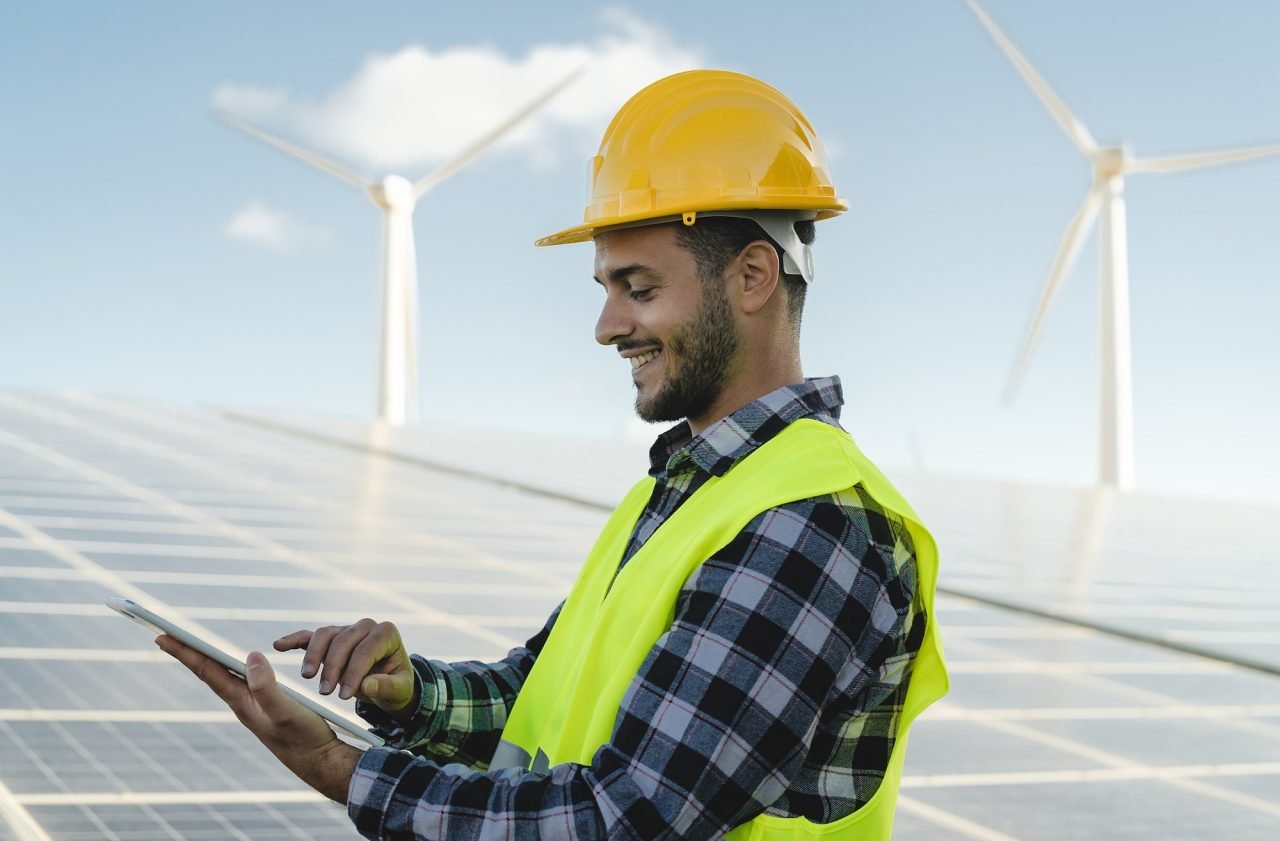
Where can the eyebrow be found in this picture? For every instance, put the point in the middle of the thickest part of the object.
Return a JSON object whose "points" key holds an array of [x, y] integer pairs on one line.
{"points": [[624, 273]]}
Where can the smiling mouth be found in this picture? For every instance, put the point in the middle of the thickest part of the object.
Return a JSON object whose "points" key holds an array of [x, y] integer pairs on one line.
{"points": [[638, 362]]}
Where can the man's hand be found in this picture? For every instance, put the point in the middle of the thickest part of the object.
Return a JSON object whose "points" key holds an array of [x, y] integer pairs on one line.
{"points": [[298, 737], [367, 660]]}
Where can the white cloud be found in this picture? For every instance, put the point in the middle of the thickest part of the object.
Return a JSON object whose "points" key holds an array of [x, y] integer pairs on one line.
{"points": [[276, 230], [415, 108]]}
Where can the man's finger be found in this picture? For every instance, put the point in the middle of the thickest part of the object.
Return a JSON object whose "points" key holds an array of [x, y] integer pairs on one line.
{"points": [[317, 648], [372, 649], [290, 642], [340, 648]]}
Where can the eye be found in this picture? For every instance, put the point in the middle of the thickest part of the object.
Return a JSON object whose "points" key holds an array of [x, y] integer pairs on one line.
{"points": [[642, 294]]}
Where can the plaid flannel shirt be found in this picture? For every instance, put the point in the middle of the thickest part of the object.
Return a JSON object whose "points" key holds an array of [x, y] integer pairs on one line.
{"points": [[730, 715]]}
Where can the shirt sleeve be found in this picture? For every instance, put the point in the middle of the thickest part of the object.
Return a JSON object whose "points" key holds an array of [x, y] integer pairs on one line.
{"points": [[462, 706], [799, 608]]}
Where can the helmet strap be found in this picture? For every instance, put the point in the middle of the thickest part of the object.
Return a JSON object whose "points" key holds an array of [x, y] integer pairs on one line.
{"points": [[780, 225]]}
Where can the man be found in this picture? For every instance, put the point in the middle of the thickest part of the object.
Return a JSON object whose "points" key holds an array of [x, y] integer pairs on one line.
{"points": [[752, 633]]}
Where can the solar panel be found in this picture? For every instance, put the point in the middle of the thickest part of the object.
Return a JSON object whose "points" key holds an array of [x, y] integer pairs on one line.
{"points": [[1052, 730]]}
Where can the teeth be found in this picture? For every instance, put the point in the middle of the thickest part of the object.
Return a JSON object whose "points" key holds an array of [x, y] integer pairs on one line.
{"points": [[637, 361]]}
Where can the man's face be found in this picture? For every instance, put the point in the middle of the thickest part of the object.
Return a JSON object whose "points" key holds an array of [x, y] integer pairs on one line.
{"points": [[676, 331]]}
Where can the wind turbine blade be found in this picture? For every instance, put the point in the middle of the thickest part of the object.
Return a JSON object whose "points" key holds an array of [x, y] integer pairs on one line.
{"points": [[304, 155], [471, 152], [1067, 252], [1182, 163], [1073, 127]]}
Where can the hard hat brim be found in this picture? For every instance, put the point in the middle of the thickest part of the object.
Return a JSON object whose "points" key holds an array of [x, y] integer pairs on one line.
{"points": [[588, 230]]}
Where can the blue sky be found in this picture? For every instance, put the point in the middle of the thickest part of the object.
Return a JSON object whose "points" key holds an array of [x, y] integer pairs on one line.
{"points": [[118, 274]]}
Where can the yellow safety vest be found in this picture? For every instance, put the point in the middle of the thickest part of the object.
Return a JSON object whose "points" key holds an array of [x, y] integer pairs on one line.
{"points": [[568, 705]]}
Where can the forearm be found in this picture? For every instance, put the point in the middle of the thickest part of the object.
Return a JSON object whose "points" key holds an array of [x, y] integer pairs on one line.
{"points": [[331, 773]]}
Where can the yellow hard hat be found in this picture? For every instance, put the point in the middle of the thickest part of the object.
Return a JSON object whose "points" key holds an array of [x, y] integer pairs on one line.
{"points": [[700, 141]]}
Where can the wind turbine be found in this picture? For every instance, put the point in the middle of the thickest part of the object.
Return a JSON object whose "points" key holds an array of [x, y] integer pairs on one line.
{"points": [[1106, 197], [396, 197]]}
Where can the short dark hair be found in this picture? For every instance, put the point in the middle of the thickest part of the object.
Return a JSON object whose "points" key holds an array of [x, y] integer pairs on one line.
{"points": [[715, 240]]}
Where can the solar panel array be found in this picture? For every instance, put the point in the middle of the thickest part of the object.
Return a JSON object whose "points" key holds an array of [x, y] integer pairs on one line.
{"points": [[1189, 573], [1052, 731]]}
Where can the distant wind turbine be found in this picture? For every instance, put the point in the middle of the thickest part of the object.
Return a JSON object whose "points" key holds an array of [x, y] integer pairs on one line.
{"points": [[1106, 195], [396, 197]]}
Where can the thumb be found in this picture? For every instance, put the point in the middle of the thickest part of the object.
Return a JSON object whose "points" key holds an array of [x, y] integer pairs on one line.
{"points": [[262, 684], [392, 691]]}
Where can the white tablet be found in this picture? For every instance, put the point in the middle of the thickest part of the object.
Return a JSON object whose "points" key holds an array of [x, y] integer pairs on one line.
{"points": [[160, 625]]}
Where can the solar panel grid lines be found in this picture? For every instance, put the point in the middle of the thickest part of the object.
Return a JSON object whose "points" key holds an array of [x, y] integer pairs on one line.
{"points": [[1120, 767], [16, 821], [119, 586], [936, 819], [1100, 681], [344, 616], [1248, 719], [1241, 713], [216, 430], [558, 579], [97, 547], [130, 762], [1261, 615], [157, 798], [86, 518], [288, 582], [341, 579], [45, 573], [195, 822], [78, 686], [29, 506], [252, 480], [1118, 594], [1119, 772], [1122, 592], [1185, 778], [100, 655], [1253, 648], [1146, 565], [36, 490], [132, 716], [991, 667], [1270, 639]]}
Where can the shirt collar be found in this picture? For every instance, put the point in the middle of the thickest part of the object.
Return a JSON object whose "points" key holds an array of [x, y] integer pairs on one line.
{"points": [[731, 439]]}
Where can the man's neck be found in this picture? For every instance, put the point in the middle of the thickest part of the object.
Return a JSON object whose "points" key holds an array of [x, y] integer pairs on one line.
{"points": [[738, 394]]}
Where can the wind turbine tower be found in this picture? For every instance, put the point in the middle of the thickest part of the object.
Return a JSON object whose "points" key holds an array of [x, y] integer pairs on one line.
{"points": [[1106, 199], [396, 197]]}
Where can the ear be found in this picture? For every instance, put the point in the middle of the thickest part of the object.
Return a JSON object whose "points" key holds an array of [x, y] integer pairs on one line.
{"points": [[756, 272]]}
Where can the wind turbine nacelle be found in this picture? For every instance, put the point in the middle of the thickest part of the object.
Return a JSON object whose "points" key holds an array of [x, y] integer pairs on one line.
{"points": [[394, 193], [1111, 161]]}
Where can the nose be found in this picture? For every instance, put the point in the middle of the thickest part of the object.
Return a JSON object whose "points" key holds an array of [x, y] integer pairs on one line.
{"points": [[614, 323]]}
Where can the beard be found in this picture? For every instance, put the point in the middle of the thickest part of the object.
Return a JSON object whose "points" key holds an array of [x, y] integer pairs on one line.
{"points": [[706, 346]]}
